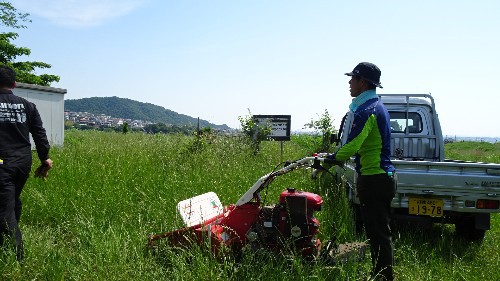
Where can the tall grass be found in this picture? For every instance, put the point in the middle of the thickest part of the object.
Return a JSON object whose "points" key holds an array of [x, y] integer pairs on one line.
{"points": [[474, 151], [109, 191]]}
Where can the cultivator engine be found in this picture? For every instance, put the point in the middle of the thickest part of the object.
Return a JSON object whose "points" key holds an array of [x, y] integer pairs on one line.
{"points": [[291, 222]]}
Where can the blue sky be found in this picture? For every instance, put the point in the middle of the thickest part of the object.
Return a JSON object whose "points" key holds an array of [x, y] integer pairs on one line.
{"points": [[218, 59]]}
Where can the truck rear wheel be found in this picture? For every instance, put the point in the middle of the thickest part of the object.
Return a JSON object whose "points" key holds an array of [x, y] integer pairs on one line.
{"points": [[466, 229]]}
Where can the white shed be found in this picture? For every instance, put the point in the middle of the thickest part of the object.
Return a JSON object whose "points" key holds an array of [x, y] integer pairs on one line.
{"points": [[50, 103]]}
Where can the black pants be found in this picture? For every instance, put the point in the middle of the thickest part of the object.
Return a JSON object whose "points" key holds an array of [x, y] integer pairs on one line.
{"points": [[375, 194], [12, 180]]}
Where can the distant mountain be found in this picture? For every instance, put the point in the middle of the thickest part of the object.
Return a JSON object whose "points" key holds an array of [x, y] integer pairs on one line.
{"points": [[131, 109]]}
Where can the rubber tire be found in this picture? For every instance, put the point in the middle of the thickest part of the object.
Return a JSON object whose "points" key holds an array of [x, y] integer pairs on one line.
{"points": [[467, 230], [358, 222]]}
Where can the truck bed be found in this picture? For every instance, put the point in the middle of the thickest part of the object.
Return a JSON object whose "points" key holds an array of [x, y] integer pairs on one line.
{"points": [[458, 183]]}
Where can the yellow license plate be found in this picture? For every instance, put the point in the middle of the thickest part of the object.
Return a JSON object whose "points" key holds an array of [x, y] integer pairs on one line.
{"points": [[426, 207]]}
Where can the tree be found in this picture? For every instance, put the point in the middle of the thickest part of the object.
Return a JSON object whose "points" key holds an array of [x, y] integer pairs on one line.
{"points": [[324, 125], [10, 17], [255, 132], [125, 128], [9, 52]]}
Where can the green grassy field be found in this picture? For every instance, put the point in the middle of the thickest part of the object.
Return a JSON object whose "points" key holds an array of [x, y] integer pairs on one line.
{"points": [[108, 191]]}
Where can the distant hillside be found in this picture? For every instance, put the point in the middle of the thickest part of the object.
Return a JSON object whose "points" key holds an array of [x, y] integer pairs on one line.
{"points": [[131, 109]]}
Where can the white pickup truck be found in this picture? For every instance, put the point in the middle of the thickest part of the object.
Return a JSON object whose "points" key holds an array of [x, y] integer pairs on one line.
{"points": [[431, 189]]}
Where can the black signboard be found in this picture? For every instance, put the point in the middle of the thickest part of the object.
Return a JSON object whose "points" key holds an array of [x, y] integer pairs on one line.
{"points": [[280, 125]]}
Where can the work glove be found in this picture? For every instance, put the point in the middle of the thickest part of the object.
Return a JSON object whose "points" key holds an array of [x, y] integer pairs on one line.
{"points": [[42, 172], [331, 159]]}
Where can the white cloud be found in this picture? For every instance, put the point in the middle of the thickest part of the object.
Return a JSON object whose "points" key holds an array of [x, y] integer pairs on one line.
{"points": [[77, 13]]}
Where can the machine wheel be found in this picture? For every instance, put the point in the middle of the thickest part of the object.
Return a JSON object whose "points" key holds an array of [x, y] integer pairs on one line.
{"points": [[358, 222]]}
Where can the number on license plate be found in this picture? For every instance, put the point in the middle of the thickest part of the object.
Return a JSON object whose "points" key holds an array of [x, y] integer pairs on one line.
{"points": [[426, 207]]}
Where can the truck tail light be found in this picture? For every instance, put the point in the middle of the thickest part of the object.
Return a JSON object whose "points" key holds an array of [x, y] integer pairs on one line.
{"points": [[487, 204]]}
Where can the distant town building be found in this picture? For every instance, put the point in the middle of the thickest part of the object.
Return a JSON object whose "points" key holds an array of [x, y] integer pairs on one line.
{"points": [[102, 120]]}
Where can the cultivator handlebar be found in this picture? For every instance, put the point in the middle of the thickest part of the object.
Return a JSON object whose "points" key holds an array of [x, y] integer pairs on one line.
{"points": [[307, 162]]}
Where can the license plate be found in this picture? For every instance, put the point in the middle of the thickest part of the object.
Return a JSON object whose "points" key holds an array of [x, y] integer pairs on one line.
{"points": [[426, 207]]}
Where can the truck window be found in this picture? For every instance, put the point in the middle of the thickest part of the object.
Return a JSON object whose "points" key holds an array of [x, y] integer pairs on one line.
{"points": [[399, 124]]}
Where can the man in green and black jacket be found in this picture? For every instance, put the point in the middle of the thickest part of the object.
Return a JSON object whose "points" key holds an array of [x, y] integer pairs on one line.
{"points": [[369, 140]]}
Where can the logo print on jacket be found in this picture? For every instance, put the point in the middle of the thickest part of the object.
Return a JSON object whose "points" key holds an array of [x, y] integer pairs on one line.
{"points": [[12, 113]]}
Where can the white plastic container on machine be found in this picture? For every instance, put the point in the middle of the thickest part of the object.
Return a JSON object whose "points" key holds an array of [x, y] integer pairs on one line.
{"points": [[201, 208]]}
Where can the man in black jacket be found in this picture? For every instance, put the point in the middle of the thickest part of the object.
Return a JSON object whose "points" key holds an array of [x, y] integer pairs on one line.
{"points": [[18, 118]]}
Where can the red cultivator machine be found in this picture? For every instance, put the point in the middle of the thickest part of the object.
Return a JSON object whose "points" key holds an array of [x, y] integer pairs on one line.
{"points": [[288, 225]]}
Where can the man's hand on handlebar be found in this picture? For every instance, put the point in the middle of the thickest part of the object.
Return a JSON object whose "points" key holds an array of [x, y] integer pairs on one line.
{"points": [[331, 159]]}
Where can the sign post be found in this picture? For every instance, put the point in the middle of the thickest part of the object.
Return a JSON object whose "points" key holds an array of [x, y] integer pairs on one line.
{"points": [[280, 126]]}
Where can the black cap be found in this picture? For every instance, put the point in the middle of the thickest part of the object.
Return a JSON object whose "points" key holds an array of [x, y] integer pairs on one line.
{"points": [[368, 71]]}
